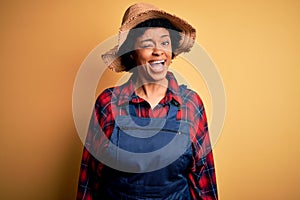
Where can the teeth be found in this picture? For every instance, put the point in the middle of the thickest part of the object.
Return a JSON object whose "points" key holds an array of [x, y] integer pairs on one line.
{"points": [[158, 62]]}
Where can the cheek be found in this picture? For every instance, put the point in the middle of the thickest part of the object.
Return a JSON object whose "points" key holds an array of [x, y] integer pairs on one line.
{"points": [[168, 52], [142, 56], [169, 56], [169, 62]]}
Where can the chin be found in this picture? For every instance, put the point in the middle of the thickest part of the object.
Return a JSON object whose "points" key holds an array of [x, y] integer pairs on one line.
{"points": [[157, 76]]}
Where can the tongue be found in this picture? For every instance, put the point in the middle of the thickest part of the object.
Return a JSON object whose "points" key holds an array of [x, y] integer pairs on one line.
{"points": [[157, 65]]}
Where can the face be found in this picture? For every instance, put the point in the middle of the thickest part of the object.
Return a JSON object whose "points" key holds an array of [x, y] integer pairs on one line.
{"points": [[153, 54]]}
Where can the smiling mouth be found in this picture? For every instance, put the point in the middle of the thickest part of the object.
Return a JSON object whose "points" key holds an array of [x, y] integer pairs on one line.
{"points": [[157, 65]]}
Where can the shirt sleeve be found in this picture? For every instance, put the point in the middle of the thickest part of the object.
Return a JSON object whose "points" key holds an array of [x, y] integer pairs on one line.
{"points": [[202, 177], [86, 183], [91, 167]]}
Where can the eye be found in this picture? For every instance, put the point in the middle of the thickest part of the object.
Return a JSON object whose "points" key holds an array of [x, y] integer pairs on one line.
{"points": [[165, 43], [147, 45]]}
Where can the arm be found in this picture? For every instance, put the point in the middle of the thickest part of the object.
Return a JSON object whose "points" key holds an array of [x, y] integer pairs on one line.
{"points": [[202, 177], [90, 170], [84, 188], [86, 183]]}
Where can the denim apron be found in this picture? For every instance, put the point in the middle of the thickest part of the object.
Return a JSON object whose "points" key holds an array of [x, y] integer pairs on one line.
{"points": [[150, 156]]}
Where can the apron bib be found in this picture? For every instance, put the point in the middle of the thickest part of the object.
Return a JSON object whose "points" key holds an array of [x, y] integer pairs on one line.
{"points": [[149, 158]]}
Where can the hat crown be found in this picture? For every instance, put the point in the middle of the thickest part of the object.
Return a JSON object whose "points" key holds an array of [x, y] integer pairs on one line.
{"points": [[135, 10]]}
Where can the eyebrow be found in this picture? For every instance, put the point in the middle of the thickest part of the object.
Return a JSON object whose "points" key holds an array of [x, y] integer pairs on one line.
{"points": [[146, 40], [165, 36], [150, 40]]}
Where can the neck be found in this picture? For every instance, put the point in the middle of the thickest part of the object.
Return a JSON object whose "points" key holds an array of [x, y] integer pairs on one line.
{"points": [[152, 92]]}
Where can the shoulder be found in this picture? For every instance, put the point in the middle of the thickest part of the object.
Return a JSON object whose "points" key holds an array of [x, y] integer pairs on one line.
{"points": [[107, 97], [190, 97], [110, 93], [104, 97]]}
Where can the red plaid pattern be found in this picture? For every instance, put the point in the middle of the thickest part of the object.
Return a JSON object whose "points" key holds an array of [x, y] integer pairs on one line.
{"points": [[201, 176]]}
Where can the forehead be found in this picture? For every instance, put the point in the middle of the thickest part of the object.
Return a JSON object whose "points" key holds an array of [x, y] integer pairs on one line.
{"points": [[154, 33]]}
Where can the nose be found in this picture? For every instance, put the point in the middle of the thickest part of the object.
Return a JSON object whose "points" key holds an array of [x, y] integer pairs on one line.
{"points": [[157, 51]]}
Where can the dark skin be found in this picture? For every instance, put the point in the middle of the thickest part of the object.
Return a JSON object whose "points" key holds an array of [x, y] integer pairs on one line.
{"points": [[153, 55]]}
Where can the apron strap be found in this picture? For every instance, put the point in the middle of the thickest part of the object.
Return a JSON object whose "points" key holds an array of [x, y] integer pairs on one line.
{"points": [[174, 107]]}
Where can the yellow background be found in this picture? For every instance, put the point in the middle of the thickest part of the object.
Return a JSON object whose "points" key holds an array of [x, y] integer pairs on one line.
{"points": [[255, 45]]}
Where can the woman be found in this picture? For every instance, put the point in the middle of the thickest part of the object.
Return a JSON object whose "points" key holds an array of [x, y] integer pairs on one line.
{"points": [[148, 138]]}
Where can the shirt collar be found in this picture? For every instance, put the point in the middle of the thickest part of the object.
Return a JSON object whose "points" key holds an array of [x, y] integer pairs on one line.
{"points": [[127, 93]]}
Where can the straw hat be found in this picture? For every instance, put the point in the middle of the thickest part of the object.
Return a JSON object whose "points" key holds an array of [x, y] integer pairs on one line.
{"points": [[141, 12]]}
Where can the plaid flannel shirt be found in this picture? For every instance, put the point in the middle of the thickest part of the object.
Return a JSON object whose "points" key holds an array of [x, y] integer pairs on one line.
{"points": [[201, 173]]}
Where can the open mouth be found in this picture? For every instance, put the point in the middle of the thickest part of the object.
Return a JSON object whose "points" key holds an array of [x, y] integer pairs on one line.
{"points": [[157, 65]]}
